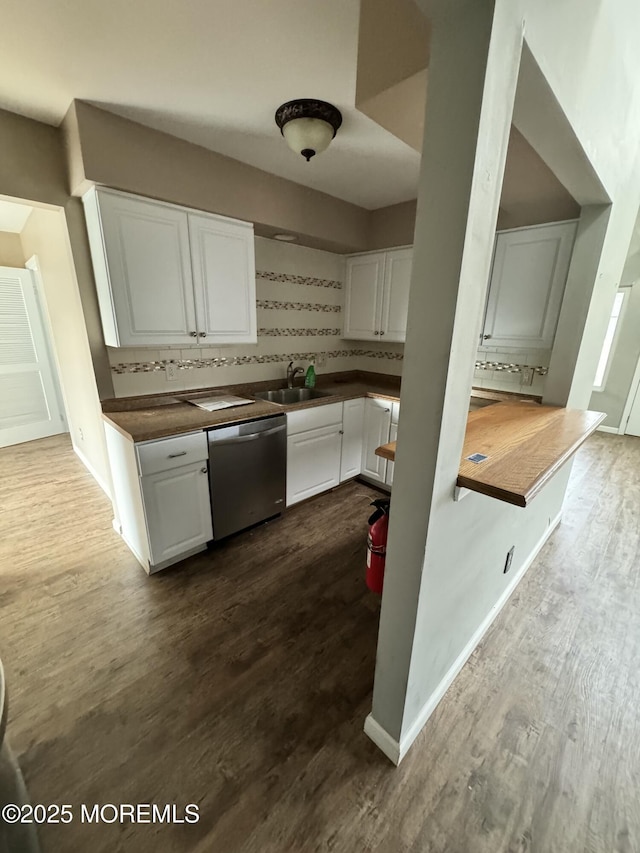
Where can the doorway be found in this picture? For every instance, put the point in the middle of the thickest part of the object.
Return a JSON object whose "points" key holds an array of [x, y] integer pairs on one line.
{"points": [[30, 400]]}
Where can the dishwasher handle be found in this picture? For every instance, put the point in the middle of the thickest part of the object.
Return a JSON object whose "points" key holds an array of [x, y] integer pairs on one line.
{"points": [[238, 439]]}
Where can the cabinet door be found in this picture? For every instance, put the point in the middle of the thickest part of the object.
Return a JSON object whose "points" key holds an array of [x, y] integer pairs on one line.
{"points": [[395, 302], [363, 298], [177, 511], [352, 434], [527, 284], [313, 462], [147, 270], [224, 277], [393, 435], [377, 422]]}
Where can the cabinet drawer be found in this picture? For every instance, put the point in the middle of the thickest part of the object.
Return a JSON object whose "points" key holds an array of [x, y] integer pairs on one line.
{"points": [[168, 453], [320, 416]]}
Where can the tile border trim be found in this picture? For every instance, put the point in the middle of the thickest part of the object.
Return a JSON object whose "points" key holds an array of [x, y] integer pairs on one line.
{"points": [[307, 281], [274, 304], [508, 367], [300, 333], [234, 361]]}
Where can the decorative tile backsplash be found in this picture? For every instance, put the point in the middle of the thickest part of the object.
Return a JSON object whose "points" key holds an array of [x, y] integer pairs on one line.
{"points": [[306, 333], [273, 305], [510, 368], [298, 279], [231, 361]]}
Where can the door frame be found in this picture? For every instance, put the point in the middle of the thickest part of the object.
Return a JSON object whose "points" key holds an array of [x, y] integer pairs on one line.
{"points": [[633, 391], [33, 265]]}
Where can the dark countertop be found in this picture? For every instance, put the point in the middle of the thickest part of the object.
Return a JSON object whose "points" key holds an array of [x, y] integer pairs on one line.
{"points": [[163, 415]]}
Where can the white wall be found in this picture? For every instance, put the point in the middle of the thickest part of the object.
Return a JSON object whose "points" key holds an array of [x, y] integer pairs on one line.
{"points": [[294, 286], [45, 235], [445, 560]]}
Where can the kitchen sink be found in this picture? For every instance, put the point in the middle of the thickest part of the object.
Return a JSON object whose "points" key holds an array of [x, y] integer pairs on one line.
{"points": [[289, 396]]}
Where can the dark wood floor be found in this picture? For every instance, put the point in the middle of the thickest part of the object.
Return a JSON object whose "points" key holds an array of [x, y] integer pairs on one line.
{"points": [[240, 681]]}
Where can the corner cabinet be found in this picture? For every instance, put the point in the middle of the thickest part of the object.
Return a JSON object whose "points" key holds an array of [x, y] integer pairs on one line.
{"points": [[377, 295], [528, 277], [169, 275], [377, 424]]}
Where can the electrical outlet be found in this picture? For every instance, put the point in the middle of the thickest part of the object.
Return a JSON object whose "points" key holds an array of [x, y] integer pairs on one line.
{"points": [[509, 560], [80, 433], [321, 361], [171, 371], [527, 376]]}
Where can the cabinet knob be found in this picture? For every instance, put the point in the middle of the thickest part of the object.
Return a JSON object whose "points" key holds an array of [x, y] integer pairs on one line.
{"points": [[193, 334], [382, 333], [203, 470], [486, 337], [387, 410], [341, 432], [203, 334], [376, 332]]}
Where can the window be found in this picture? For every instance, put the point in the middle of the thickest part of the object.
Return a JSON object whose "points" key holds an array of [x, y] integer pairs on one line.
{"points": [[609, 340]]}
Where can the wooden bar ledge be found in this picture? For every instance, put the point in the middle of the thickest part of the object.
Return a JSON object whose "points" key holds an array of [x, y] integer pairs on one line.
{"points": [[525, 445]]}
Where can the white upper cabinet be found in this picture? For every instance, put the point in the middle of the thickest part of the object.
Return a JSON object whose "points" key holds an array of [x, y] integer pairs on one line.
{"points": [[377, 295], [395, 296], [140, 253], [165, 275], [363, 299], [222, 258], [529, 273]]}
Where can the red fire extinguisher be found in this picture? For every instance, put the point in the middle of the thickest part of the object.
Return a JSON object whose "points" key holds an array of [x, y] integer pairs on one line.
{"points": [[377, 544]]}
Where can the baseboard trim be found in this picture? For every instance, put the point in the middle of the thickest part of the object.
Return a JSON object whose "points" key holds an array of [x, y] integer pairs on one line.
{"points": [[99, 480], [395, 750], [382, 739], [612, 430]]}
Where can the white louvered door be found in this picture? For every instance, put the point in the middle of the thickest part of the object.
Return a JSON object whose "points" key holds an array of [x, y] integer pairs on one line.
{"points": [[29, 403]]}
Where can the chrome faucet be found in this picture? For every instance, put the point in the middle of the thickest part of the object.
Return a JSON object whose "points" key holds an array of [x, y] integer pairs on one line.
{"points": [[292, 372]]}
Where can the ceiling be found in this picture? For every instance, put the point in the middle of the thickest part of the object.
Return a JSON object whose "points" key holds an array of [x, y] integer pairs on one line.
{"points": [[212, 72], [13, 217]]}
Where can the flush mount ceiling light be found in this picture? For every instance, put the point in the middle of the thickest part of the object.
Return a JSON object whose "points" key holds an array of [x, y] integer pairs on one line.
{"points": [[285, 238], [308, 125]]}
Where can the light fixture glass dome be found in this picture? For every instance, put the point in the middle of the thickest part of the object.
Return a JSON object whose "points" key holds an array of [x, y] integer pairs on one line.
{"points": [[308, 125], [307, 136]]}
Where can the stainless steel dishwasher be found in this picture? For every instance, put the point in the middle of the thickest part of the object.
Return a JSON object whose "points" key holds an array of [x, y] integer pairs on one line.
{"points": [[247, 473]]}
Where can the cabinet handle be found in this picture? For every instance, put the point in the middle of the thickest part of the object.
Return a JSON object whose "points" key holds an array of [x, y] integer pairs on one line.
{"points": [[203, 470], [486, 337], [203, 334], [341, 432], [175, 455], [387, 410], [193, 334]]}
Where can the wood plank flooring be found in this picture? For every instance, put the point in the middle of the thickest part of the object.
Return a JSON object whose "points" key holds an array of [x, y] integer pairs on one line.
{"points": [[240, 680]]}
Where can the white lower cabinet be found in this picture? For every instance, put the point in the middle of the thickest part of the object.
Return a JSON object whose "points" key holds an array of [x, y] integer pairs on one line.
{"points": [[178, 511], [393, 435], [313, 462], [352, 429], [161, 496], [314, 448], [377, 424]]}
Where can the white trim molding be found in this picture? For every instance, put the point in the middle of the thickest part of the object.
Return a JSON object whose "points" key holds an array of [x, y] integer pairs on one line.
{"points": [[396, 750], [99, 480]]}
